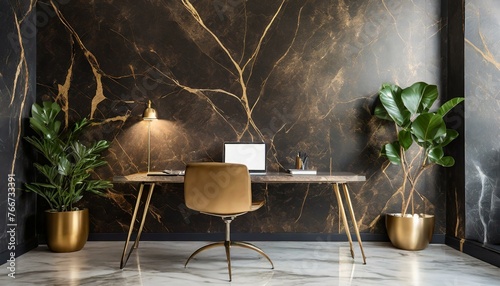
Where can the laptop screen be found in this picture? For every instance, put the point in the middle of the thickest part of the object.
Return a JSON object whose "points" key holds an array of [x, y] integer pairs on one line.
{"points": [[253, 155]]}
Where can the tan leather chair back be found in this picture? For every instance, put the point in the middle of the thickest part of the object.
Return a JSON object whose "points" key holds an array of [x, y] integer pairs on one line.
{"points": [[218, 188]]}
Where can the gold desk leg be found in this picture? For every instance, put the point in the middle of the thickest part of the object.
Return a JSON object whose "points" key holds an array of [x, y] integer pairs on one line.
{"points": [[146, 207], [344, 217], [355, 224], [124, 260], [131, 227]]}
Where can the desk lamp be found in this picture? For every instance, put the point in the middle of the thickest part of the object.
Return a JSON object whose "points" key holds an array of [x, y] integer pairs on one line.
{"points": [[149, 115]]}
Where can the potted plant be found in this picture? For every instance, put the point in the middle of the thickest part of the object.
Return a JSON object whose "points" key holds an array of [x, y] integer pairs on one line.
{"points": [[409, 110], [64, 175]]}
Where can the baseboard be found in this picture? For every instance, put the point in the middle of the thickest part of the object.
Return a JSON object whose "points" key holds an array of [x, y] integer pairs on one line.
{"points": [[475, 249], [20, 250], [437, 238]]}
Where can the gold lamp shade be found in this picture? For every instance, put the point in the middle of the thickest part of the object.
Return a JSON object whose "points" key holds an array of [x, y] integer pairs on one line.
{"points": [[149, 113]]}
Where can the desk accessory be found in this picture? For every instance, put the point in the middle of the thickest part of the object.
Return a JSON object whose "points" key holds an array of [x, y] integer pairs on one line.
{"points": [[301, 161], [167, 173], [174, 172], [301, 172], [301, 165], [251, 154]]}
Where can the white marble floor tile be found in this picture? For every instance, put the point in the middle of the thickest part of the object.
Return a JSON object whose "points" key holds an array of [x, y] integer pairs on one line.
{"points": [[296, 263]]}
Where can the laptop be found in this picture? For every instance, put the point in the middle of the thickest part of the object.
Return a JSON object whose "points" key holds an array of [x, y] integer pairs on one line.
{"points": [[253, 155]]}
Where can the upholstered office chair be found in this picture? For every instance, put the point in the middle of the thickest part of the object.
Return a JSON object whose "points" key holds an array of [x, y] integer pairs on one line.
{"points": [[223, 190]]}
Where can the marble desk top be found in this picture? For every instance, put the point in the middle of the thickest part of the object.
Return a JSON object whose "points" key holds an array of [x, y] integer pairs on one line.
{"points": [[335, 177]]}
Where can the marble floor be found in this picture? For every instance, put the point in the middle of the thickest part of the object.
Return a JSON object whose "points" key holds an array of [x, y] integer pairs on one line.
{"points": [[296, 263]]}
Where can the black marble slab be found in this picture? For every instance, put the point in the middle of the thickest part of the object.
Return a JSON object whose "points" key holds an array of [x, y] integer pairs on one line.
{"points": [[482, 152], [17, 92], [298, 75]]}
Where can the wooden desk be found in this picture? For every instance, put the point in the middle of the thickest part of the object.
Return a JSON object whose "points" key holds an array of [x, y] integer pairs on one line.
{"points": [[337, 179]]}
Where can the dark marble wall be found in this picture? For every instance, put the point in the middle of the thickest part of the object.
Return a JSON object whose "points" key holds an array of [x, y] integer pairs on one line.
{"points": [[454, 179], [17, 92], [299, 75], [482, 86]]}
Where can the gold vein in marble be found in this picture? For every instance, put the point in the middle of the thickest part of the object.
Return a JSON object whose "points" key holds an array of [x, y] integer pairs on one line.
{"points": [[303, 203], [63, 91], [156, 213], [121, 118], [92, 60], [22, 64], [240, 69], [486, 54]]}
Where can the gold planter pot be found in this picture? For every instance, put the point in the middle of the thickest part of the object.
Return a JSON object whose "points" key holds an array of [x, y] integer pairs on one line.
{"points": [[410, 232], [67, 231]]}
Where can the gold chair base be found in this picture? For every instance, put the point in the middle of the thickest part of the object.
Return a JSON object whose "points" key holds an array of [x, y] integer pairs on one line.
{"points": [[227, 245]]}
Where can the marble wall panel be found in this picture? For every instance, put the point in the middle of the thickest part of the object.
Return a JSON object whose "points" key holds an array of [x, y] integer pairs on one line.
{"points": [[482, 85], [454, 178], [299, 75], [17, 92]]}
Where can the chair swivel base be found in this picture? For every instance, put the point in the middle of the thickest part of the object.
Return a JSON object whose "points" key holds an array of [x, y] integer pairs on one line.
{"points": [[227, 245]]}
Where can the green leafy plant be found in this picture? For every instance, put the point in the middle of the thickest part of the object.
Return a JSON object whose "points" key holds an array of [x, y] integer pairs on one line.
{"points": [[67, 163], [409, 109]]}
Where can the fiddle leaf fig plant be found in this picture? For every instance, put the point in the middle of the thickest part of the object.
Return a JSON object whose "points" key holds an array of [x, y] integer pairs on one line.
{"points": [[67, 163], [414, 123]]}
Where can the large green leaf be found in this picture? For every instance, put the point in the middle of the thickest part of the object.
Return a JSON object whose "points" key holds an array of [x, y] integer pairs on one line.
{"points": [[450, 104], [390, 97], [446, 161], [436, 155], [429, 96], [450, 136], [419, 97], [381, 113], [412, 96], [428, 127], [404, 138], [392, 152]]}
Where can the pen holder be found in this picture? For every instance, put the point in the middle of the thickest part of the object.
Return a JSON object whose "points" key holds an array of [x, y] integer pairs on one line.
{"points": [[298, 163], [301, 161]]}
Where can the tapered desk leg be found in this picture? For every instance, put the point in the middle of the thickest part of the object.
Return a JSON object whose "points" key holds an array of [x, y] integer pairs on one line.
{"points": [[355, 224], [124, 260], [146, 207], [343, 215]]}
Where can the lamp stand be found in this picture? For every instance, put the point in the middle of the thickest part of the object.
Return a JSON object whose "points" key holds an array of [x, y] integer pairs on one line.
{"points": [[149, 146]]}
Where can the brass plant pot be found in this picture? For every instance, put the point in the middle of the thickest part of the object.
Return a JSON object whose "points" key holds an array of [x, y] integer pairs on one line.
{"points": [[410, 232], [67, 231]]}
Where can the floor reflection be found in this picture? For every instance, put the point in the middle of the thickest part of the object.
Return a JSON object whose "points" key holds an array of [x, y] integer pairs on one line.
{"points": [[296, 263]]}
